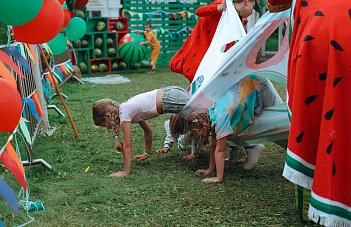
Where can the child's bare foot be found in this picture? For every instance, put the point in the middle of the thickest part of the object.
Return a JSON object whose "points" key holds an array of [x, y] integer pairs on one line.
{"points": [[189, 157], [118, 174], [210, 180]]}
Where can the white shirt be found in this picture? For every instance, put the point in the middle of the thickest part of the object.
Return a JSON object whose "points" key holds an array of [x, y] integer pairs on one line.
{"points": [[139, 108]]}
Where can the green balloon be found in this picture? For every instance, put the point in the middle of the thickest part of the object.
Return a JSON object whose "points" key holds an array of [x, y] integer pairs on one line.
{"points": [[76, 29], [19, 12], [58, 44]]}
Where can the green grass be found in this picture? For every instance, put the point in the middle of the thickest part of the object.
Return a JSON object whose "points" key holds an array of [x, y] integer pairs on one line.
{"points": [[162, 191]]}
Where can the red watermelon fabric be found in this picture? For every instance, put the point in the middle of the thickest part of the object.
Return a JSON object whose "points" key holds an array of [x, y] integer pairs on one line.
{"points": [[318, 155], [188, 58]]}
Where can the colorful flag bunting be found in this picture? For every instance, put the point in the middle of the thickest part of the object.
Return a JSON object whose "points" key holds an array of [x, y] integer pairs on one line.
{"points": [[14, 53], [7, 193], [182, 14], [8, 61], [6, 74], [174, 16]]}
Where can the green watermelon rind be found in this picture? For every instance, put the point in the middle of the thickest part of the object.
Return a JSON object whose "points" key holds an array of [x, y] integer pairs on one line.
{"points": [[133, 53]]}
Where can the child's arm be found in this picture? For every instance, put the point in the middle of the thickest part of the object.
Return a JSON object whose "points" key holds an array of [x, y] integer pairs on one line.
{"points": [[219, 159], [127, 150], [212, 162], [144, 43], [211, 9], [148, 141]]}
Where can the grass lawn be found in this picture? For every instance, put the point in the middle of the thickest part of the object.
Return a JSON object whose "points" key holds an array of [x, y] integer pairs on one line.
{"points": [[161, 191]]}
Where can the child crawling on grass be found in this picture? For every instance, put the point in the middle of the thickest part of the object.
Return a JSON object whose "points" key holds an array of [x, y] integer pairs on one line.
{"points": [[110, 114]]}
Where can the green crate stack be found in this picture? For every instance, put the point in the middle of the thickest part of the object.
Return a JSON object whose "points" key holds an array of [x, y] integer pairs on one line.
{"points": [[83, 56], [92, 25], [93, 33], [82, 13], [112, 46], [99, 44]]}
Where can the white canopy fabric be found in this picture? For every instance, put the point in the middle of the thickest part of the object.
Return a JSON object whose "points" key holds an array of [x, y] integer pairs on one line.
{"points": [[219, 70]]}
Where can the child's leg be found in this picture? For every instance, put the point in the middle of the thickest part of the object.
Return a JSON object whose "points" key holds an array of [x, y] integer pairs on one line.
{"points": [[253, 154], [236, 153], [153, 57]]}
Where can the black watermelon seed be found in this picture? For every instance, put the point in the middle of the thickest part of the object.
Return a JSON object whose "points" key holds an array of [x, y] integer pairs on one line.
{"points": [[310, 99], [209, 32], [323, 76], [336, 81], [180, 51], [308, 38], [329, 148], [194, 55], [336, 45], [333, 168], [206, 45], [319, 13], [299, 56], [198, 36], [299, 138], [329, 114], [299, 22], [188, 70], [304, 3], [350, 13]]}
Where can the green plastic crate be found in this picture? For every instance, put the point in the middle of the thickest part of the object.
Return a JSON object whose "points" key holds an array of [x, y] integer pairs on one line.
{"points": [[102, 48], [93, 21]]}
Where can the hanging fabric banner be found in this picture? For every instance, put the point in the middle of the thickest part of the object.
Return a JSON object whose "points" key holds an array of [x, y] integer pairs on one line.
{"points": [[220, 70]]}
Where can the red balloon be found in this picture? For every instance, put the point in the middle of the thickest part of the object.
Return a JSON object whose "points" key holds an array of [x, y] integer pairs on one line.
{"points": [[67, 17], [44, 27], [10, 107]]}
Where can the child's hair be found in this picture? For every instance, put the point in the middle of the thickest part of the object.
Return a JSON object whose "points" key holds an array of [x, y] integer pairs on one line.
{"points": [[101, 108], [148, 24], [178, 125], [195, 119]]}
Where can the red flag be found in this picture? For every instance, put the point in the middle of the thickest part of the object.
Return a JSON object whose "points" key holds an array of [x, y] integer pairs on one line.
{"points": [[14, 156], [11, 165], [37, 106], [174, 16], [145, 33], [63, 69]]}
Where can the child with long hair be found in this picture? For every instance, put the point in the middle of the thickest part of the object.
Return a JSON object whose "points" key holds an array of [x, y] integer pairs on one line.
{"points": [[228, 117], [112, 115]]}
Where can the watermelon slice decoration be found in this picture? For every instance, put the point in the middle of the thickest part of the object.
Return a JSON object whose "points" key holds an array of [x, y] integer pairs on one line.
{"points": [[125, 39], [76, 4], [130, 51]]}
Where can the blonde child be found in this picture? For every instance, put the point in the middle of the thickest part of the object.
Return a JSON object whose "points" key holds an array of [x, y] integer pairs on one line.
{"points": [[110, 114], [229, 116], [155, 47]]}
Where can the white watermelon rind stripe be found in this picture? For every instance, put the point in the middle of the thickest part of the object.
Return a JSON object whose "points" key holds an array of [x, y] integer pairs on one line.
{"points": [[328, 212], [298, 170]]}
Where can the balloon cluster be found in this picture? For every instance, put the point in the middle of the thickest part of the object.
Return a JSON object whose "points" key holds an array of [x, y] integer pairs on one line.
{"points": [[42, 21]]}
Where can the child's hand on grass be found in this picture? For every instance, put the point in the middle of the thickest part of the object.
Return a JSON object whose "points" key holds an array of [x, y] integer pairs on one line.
{"points": [[204, 171], [118, 145], [164, 150], [140, 157], [118, 174]]}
